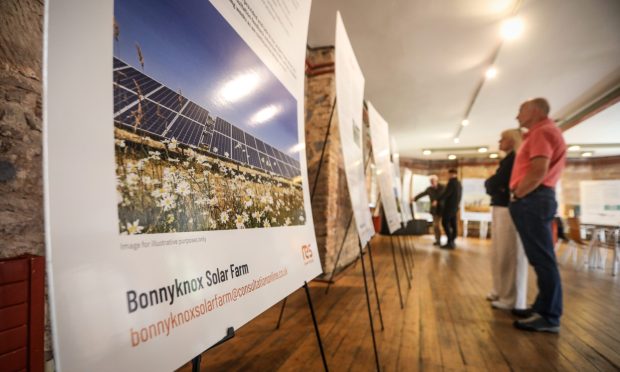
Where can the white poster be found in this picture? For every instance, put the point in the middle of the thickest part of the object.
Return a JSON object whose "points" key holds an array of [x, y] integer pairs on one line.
{"points": [[407, 193], [350, 98], [475, 204], [176, 190], [380, 140], [421, 207], [405, 212], [600, 202]]}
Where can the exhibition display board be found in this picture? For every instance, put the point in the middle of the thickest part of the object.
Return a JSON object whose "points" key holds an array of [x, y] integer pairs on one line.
{"points": [[600, 202], [176, 190], [407, 175], [475, 204], [405, 211], [380, 139], [350, 99], [421, 207]]}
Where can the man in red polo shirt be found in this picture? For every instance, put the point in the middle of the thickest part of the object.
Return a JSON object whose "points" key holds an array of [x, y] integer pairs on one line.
{"points": [[537, 168]]}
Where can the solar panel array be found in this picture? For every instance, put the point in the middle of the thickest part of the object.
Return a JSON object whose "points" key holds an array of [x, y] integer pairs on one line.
{"points": [[145, 105]]}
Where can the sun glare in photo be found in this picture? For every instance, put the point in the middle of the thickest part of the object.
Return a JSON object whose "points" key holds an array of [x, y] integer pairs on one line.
{"points": [[265, 114], [239, 87]]}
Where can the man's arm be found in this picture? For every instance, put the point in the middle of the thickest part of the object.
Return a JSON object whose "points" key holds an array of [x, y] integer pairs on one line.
{"points": [[421, 195], [534, 176]]}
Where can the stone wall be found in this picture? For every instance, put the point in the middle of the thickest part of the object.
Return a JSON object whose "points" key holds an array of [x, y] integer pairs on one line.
{"points": [[21, 176]]}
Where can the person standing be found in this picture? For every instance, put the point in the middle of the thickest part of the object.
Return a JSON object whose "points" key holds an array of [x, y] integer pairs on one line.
{"points": [[537, 168], [451, 199], [433, 192], [508, 261]]}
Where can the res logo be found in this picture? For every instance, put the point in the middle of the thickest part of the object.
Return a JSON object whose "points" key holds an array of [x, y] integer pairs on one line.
{"points": [[306, 253]]}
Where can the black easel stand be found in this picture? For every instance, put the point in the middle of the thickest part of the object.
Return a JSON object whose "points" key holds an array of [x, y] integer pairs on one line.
{"points": [[316, 326], [372, 328], [344, 239], [408, 271], [402, 257], [230, 333], [316, 180], [400, 295], [374, 283]]}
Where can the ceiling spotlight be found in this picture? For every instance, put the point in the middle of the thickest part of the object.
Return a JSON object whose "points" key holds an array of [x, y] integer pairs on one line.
{"points": [[491, 72], [482, 150], [587, 154], [512, 28], [457, 140], [493, 156], [451, 156], [426, 152], [465, 122], [574, 148]]}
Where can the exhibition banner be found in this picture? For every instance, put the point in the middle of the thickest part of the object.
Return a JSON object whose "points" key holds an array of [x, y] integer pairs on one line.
{"points": [[176, 188], [600, 202], [380, 139], [407, 174], [421, 207], [475, 204], [350, 99]]}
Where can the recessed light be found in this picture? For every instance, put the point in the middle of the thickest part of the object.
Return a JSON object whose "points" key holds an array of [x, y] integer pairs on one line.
{"points": [[465, 122], [587, 154], [512, 28], [451, 156], [491, 72], [456, 140], [574, 148], [426, 152], [482, 149], [493, 156]]}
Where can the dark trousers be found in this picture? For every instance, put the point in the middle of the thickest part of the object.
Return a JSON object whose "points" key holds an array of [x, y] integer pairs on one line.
{"points": [[449, 227], [532, 217]]}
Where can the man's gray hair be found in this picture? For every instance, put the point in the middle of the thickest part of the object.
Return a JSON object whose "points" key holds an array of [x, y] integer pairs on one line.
{"points": [[433, 177], [541, 104]]}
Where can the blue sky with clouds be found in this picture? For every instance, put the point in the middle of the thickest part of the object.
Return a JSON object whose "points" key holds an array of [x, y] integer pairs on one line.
{"points": [[188, 46]]}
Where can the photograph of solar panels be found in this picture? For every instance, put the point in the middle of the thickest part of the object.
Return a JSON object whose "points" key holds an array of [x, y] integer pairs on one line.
{"points": [[206, 137]]}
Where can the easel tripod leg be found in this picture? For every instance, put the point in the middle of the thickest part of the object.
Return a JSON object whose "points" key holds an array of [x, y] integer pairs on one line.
{"points": [[372, 328], [400, 295], [316, 326], [374, 283]]}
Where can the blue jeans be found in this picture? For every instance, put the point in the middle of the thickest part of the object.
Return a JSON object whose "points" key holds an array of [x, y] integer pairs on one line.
{"points": [[532, 217]]}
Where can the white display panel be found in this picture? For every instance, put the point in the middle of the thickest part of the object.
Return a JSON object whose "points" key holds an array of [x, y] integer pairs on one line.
{"points": [[475, 203], [159, 236], [407, 175], [600, 202], [422, 207], [405, 211], [380, 139], [350, 98]]}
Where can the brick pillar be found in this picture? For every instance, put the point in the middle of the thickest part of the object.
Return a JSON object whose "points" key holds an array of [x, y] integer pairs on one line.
{"points": [[331, 206]]}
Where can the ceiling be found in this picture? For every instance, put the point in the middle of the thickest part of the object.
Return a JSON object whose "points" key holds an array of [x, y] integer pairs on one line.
{"points": [[423, 60]]}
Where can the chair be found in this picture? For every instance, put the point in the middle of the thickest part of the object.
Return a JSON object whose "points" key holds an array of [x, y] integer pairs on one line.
{"points": [[605, 237], [575, 241]]}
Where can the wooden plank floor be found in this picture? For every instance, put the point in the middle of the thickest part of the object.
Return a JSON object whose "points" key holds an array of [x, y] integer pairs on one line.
{"points": [[446, 323]]}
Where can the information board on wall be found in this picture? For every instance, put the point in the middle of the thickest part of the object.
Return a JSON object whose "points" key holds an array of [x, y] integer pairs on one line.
{"points": [[421, 207], [600, 202], [475, 204], [379, 136], [177, 200], [350, 99]]}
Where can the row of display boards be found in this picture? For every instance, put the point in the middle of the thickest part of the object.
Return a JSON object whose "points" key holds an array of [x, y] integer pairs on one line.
{"points": [[140, 153]]}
